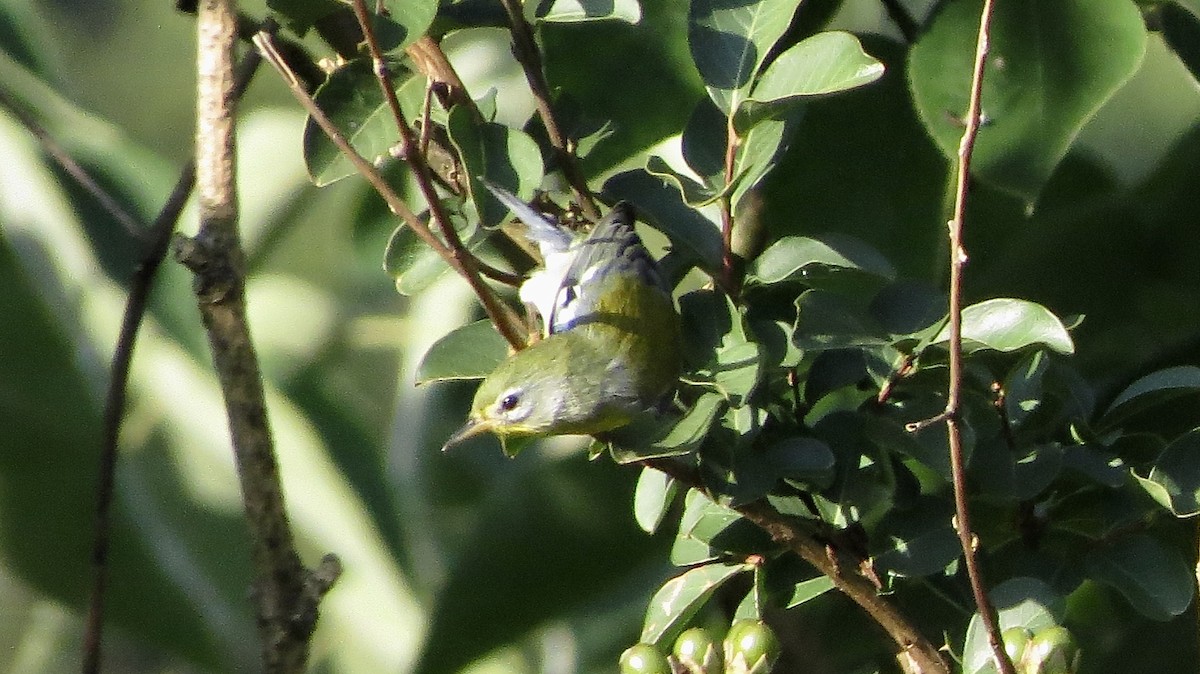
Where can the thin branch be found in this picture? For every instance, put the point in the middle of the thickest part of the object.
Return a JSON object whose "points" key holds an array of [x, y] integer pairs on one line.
{"points": [[526, 52], [114, 404], [410, 144], [731, 146], [285, 593], [501, 315], [74, 169], [916, 654], [952, 414]]}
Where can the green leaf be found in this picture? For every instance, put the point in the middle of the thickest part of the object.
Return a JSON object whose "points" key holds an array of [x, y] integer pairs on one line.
{"points": [[405, 21], [1023, 602], [1151, 390], [801, 460], [822, 64], [1152, 577], [826, 320], [810, 259], [809, 589], [1050, 68], [1007, 324], [673, 606], [1015, 474], [1177, 471], [730, 40], [916, 541], [579, 11], [505, 156], [663, 207], [652, 498], [351, 98], [639, 442], [470, 352]]}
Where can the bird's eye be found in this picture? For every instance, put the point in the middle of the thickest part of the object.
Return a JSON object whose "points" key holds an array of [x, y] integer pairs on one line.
{"points": [[508, 402]]}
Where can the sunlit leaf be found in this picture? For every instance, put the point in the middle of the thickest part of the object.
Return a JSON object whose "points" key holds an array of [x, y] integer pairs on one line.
{"points": [[504, 155], [676, 602], [1023, 602], [653, 496], [1177, 471], [807, 259], [822, 64], [1007, 324], [730, 40]]}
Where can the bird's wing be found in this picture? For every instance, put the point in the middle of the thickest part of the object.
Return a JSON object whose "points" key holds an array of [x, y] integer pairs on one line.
{"points": [[612, 250]]}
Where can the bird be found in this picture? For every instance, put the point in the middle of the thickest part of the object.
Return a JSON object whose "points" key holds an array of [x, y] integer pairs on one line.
{"points": [[611, 349]]}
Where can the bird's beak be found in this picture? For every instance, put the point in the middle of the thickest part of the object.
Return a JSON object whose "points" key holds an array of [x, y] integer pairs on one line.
{"points": [[470, 429]]}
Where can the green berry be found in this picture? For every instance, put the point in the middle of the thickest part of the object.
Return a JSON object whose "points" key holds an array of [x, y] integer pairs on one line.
{"points": [[1052, 650], [1016, 639], [698, 652], [644, 659], [750, 648]]}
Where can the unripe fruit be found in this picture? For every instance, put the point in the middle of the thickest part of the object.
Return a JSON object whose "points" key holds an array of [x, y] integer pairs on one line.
{"points": [[644, 659], [698, 652], [1016, 639], [750, 648], [1051, 651]]}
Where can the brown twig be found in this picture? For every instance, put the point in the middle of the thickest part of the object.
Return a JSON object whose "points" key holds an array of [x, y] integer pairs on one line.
{"points": [[916, 654], [731, 145], [159, 240], [952, 413], [410, 152], [526, 52], [503, 317], [286, 594]]}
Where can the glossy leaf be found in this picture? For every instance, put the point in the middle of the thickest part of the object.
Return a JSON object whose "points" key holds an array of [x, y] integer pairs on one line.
{"points": [[673, 606], [640, 442], [730, 40], [1050, 68], [470, 352], [822, 64], [826, 320], [1153, 578], [1007, 324], [663, 207]]}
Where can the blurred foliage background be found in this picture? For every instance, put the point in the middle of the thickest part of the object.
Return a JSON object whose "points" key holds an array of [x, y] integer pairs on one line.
{"points": [[464, 559]]}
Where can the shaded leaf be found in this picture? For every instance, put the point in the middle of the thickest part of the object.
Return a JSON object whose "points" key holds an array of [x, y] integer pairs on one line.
{"points": [[1050, 68], [1177, 471], [916, 541], [663, 207], [1154, 579], [504, 155], [1151, 390]]}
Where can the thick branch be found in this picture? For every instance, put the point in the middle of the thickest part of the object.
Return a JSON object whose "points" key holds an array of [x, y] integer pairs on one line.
{"points": [[285, 593]]}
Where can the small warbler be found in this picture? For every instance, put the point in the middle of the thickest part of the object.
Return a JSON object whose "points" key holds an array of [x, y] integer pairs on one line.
{"points": [[612, 347]]}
